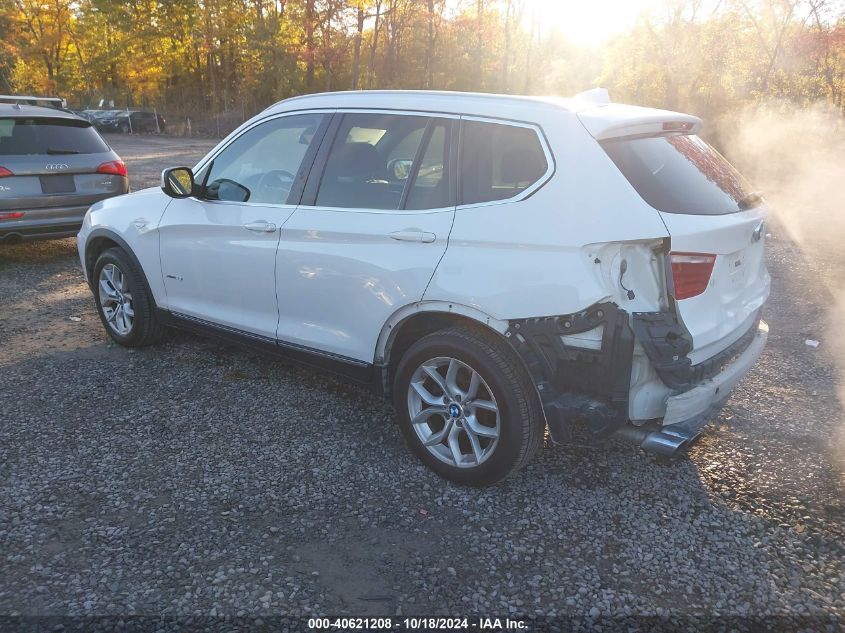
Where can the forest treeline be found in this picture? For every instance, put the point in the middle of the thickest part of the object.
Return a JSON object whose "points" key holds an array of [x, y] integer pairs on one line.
{"points": [[203, 57]]}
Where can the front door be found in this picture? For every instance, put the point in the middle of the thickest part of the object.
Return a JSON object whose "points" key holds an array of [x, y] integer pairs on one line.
{"points": [[218, 250], [368, 236]]}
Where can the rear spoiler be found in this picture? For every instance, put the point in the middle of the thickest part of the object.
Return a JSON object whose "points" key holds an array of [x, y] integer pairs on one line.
{"points": [[621, 121]]}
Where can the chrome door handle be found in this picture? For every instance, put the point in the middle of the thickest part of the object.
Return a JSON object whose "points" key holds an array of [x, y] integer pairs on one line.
{"points": [[413, 235], [260, 227]]}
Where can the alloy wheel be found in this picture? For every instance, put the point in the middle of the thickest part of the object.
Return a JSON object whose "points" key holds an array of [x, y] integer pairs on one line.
{"points": [[453, 412], [116, 299]]}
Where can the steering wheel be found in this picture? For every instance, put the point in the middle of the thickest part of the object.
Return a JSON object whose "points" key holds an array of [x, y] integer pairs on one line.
{"points": [[277, 180]]}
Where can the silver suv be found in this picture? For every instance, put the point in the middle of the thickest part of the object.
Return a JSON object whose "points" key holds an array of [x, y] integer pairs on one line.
{"points": [[53, 166]]}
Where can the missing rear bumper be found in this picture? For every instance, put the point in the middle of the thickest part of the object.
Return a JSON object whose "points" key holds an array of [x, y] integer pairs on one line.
{"points": [[695, 406], [584, 391], [667, 343], [585, 388]]}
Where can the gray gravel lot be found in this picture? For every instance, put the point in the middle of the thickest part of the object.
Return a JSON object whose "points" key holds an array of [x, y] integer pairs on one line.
{"points": [[195, 478]]}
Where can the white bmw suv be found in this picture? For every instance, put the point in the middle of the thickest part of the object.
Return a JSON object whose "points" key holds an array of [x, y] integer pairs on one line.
{"points": [[498, 265]]}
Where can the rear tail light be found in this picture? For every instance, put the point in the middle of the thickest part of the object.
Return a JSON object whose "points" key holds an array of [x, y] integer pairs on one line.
{"points": [[13, 215], [116, 167], [5, 172], [691, 273]]}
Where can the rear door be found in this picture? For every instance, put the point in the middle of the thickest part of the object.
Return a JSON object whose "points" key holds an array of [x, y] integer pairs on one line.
{"points": [[53, 162], [716, 224], [372, 226]]}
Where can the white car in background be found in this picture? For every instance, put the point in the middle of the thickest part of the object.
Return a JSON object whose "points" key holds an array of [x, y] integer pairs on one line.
{"points": [[497, 264]]}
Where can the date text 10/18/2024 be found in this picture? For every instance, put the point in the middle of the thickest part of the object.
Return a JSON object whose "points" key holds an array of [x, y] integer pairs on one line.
{"points": [[416, 623]]}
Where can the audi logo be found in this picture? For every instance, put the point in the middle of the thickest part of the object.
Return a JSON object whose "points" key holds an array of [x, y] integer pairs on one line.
{"points": [[56, 166]]}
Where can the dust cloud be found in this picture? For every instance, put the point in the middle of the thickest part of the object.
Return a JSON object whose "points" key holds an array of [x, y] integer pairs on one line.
{"points": [[796, 157]]}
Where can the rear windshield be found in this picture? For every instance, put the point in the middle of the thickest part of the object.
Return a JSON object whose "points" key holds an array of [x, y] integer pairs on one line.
{"points": [[681, 174], [23, 136]]}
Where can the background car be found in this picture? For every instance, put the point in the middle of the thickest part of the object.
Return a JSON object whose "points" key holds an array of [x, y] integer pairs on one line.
{"points": [[56, 103], [135, 121], [88, 115], [53, 166]]}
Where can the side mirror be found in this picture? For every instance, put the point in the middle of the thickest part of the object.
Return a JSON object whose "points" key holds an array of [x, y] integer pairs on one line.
{"points": [[400, 168], [177, 182], [226, 190]]}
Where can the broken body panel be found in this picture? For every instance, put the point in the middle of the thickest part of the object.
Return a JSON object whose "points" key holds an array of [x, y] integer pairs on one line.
{"points": [[638, 361], [648, 362]]}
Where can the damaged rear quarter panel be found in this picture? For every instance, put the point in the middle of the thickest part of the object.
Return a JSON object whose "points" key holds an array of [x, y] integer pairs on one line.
{"points": [[525, 259], [559, 252]]}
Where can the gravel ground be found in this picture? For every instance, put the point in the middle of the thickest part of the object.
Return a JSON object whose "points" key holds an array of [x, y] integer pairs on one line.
{"points": [[199, 479]]}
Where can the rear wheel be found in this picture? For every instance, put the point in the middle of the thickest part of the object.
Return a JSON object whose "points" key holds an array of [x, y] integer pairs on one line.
{"points": [[467, 407], [124, 302]]}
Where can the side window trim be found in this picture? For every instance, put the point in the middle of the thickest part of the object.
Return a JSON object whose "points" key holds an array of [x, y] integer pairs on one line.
{"points": [[207, 162], [522, 195], [315, 175], [415, 164], [450, 169], [309, 197], [298, 187]]}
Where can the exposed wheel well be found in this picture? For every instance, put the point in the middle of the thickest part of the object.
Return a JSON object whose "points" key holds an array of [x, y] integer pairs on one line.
{"points": [[414, 328]]}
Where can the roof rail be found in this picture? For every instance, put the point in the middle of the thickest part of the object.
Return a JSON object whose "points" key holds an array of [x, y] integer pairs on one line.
{"points": [[48, 102]]}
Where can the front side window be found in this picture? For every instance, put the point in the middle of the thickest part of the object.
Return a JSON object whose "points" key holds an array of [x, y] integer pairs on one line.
{"points": [[261, 165], [498, 161], [371, 160]]}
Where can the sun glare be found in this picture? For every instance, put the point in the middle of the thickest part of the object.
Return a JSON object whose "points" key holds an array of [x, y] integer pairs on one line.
{"points": [[586, 22]]}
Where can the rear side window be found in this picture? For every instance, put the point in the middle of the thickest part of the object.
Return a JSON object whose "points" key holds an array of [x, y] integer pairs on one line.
{"points": [[681, 174], [26, 136], [498, 161], [371, 160]]}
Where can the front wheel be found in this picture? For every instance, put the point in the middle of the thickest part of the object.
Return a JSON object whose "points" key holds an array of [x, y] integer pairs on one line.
{"points": [[123, 300], [467, 407]]}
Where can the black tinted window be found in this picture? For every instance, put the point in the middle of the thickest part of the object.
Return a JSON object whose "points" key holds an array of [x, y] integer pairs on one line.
{"points": [[370, 161], [681, 174], [498, 161], [19, 137]]}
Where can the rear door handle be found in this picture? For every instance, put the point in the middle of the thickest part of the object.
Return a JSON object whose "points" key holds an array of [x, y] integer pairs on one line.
{"points": [[413, 235], [260, 227]]}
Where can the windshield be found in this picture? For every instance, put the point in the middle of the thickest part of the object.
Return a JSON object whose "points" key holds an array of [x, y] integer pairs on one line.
{"points": [[26, 136], [681, 174]]}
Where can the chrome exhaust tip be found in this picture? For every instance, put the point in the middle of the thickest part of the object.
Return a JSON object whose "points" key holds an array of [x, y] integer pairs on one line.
{"points": [[665, 442]]}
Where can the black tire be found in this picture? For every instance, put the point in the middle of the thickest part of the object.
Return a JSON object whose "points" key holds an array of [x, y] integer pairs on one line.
{"points": [[521, 423], [124, 128], [145, 328]]}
